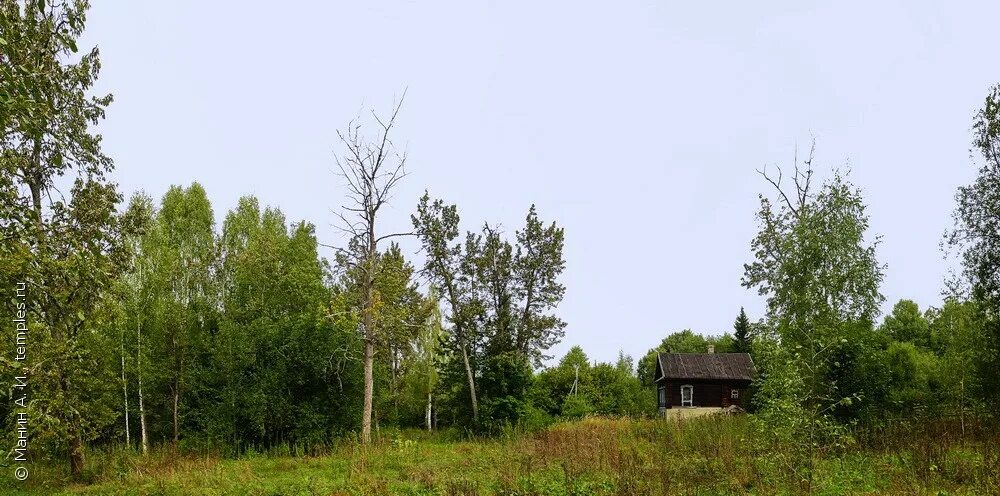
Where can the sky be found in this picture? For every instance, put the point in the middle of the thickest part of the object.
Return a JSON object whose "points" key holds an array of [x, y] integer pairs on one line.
{"points": [[639, 127]]}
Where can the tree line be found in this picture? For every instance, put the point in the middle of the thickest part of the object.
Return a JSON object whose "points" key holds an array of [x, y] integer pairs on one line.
{"points": [[153, 327]]}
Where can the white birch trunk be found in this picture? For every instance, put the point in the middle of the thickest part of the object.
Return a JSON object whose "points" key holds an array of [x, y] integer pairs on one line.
{"points": [[128, 439], [427, 418], [138, 369]]}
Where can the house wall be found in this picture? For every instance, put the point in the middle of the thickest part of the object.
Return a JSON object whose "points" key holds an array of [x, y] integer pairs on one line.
{"points": [[706, 393]]}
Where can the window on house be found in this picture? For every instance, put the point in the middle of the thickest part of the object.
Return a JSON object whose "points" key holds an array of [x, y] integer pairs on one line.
{"points": [[687, 395], [663, 396], [735, 394]]}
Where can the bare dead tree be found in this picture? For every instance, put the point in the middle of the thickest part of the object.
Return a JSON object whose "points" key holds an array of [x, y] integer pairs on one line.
{"points": [[371, 168]]}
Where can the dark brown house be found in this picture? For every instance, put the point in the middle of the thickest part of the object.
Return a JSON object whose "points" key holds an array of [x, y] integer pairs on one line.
{"points": [[703, 379]]}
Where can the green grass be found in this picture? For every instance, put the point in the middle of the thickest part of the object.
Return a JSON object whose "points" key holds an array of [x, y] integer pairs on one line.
{"points": [[707, 455]]}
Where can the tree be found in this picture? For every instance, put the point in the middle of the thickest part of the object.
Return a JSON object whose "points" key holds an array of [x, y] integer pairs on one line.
{"points": [[957, 334], [907, 324], [821, 277], [520, 285], [276, 363], [371, 169], [500, 296], [399, 314], [427, 354], [575, 387], [187, 258], [68, 249], [557, 389], [446, 267], [135, 300], [741, 333], [976, 235], [538, 263], [912, 373]]}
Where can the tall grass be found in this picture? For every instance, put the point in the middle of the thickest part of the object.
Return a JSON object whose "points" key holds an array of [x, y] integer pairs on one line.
{"points": [[707, 455]]}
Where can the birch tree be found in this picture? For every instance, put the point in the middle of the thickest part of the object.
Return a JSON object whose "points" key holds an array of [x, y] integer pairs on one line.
{"points": [[821, 278], [186, 223], [976, 236], [136, 299]]}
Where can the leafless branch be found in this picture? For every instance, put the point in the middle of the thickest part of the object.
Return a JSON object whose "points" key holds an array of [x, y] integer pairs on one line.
{"points": [[801, 178]]}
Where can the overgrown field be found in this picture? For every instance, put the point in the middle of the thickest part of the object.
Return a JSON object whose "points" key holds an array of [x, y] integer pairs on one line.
{"points": [[708, 455]]}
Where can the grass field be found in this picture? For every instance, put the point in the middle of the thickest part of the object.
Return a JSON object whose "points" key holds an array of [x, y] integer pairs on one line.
{"points": [[705, 455]]}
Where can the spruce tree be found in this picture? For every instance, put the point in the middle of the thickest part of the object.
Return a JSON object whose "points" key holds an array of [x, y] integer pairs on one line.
{"points": [[742, 332]]}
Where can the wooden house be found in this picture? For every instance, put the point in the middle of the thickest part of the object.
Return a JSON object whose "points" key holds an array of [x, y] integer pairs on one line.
{"points": [[703, 379]]}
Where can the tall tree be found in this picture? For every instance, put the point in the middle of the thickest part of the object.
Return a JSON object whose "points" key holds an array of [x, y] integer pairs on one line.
{"points": [[68, 249], [187, 258], [741, 333], [135, 300], [271, 379], [520, 285], [906, 324], [538, 263], [820, 275], [447, 267], [977, 234], [500, 296], [371, 168]]}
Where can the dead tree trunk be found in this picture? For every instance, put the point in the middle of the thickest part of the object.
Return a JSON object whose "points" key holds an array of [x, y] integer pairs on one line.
{"points": [[366, 418], [371, 169]]}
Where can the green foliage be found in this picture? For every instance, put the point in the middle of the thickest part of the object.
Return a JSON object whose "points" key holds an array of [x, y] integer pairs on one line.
{"points": [[977, 222], [958, 333], [821, 279], [907, 324], [399, 312], [575, 406], [278, 369], [575, 388], [67, 247], [422, 378], [912, 372], [499, 297], [506, 379], [185, 256], [741, 333]]}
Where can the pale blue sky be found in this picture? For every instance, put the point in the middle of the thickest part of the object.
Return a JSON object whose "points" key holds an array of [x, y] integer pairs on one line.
{"points": [[638, 126]]}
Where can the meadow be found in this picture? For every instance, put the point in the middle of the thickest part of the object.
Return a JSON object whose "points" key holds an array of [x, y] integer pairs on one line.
{"points": [[603, 456]]}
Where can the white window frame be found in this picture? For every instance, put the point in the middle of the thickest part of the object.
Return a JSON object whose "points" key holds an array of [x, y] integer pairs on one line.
{"points": [[690, 399], [734, 394]]}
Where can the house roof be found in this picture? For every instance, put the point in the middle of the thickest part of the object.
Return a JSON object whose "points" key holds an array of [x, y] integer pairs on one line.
{"points": [[724, 366]]}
